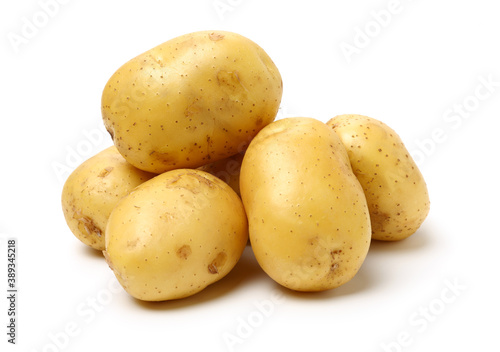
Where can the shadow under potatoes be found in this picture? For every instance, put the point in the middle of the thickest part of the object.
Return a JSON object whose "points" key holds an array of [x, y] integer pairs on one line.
{"points": [[419, 240], [366, 278], [91, 252], [248, 270]]}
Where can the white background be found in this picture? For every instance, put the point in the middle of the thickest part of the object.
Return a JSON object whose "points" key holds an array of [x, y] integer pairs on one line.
{"points": [[426, 58]]}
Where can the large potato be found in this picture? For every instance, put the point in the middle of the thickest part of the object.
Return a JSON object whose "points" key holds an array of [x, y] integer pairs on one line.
{"points": [[394, 186], [192, 100], [308, 218], [93, 189], [175, 234]]}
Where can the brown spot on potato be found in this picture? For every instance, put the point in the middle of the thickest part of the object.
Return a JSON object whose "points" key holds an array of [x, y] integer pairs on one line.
{"points": [[228, 79], [215, 36], [218, 262], [86, 224], [184, 252], [132, 243], [172, 180], [164, 158], [334, 254], [105, 172], [379, 220]]}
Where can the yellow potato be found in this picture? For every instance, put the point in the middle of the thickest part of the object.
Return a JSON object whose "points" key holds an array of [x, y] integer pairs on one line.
{"points": [[228, 170], [394, 186], [192, 100], [308, 218], [175, 234], [93, 189]]}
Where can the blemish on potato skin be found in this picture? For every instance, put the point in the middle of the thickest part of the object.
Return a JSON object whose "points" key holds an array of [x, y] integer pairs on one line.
{"points": [[334, 266], [184, 252], [132, 243], [218, 262], [105, 172], [204, 180], [215, 36], [88, 225]]}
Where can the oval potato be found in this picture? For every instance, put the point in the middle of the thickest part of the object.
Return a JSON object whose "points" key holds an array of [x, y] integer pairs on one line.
{"points": [[192, 100], [308, 218], [394, 186], [175, 234], [93, 189]]}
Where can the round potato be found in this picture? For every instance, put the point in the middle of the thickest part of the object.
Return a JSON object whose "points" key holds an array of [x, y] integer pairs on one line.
{"points": [[308, 218], [175, 234], [394, 186], [92, 190], [192, 100]]}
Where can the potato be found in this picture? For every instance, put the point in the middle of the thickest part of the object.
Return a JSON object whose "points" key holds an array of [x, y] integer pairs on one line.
{"points": [[92, 190], [308, 219], [395, 189], [192, 100], [228, 170], [175, 234]]}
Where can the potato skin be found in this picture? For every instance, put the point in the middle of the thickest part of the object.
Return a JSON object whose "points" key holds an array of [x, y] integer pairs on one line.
{"points": [[394, 186], [308, 219], [192, 100], [175, 234], [93, 189]]}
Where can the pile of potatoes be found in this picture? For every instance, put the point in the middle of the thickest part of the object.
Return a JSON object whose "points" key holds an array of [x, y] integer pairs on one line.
{"points": [[199, 166]]}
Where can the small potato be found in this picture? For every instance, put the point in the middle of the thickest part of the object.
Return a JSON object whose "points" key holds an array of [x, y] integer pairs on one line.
{"points": [[93, 189], [175, 234], [394, 186], [228, 170], [308, 218], [192, 100]]}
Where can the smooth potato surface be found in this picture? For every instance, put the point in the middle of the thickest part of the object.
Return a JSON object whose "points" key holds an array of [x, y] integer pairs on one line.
{"points": [[308, 219], [190, 101], [93, 189], [175, 234], [394, 186]]}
